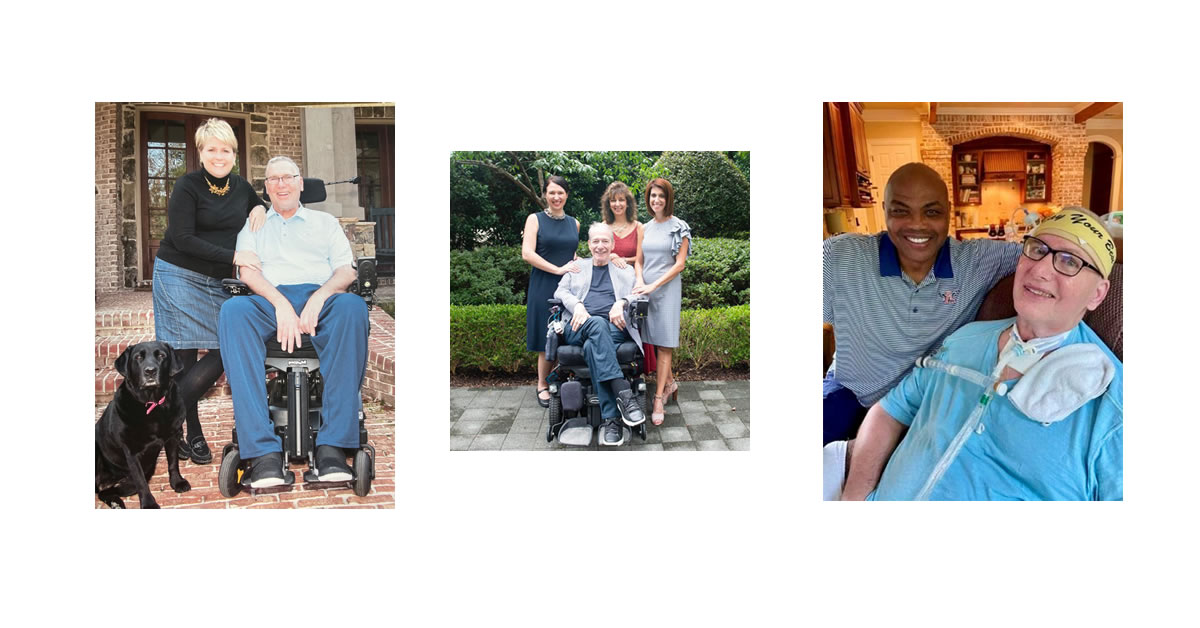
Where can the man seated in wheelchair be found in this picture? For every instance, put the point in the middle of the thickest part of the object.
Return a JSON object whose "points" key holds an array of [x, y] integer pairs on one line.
{"points": [[1026, 408], [594, 301], [305, 267]]}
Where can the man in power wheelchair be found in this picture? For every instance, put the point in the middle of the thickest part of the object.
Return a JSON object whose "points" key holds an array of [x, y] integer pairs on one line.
{"points": [[600, 356], [300, 318], [1025, 408]]}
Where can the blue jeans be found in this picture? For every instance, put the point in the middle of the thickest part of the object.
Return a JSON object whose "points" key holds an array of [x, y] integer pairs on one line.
{"points": [[600, 339], [843, 413], [246, 323]]}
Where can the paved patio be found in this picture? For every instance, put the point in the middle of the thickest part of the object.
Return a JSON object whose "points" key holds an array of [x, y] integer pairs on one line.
{"points": [[709, 416]]}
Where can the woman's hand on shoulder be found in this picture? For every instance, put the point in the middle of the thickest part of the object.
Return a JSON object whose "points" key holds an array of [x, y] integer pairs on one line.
{"points": [[257, 217], [619, 262], [569, 267]]}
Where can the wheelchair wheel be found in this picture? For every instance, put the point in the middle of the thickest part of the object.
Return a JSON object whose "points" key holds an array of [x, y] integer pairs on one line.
{"points": [[227, 479], [556, 417], [364, 468]]}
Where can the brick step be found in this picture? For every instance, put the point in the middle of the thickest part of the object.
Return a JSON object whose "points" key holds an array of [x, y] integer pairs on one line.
{"points": [[108, 380], [132, 321]]}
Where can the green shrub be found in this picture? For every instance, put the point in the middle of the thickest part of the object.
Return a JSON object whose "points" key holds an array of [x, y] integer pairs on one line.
{"points": [[717, 336], [492, 338], [488, 275], [717, 274], [711, 194], [489, 337]]}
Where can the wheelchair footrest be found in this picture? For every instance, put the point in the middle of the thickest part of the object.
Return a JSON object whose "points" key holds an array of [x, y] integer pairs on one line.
{"points": [[310, 477], [289, 478], [576, 432]]}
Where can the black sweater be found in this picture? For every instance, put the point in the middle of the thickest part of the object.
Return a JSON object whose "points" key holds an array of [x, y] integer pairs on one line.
{"points": [[202, 227]]}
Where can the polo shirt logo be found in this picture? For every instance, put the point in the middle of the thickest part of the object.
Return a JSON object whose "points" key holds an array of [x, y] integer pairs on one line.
{"points": [[948, 297]]}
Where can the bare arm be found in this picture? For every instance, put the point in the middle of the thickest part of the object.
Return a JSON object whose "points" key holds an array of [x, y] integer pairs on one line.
{"points": [[675, 269], [341, 279], [877, 439], [529, 250], [637, 260], [287, 324]]}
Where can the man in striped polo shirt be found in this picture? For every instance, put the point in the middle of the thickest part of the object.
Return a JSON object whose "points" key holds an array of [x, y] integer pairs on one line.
{"points": [[894, 296]]}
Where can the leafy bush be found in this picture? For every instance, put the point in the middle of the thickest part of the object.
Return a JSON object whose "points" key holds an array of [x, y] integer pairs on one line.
{"points": [[489, 337], [717, 274], [492, 338], [711, 193], [488, 275], [717, 336]]}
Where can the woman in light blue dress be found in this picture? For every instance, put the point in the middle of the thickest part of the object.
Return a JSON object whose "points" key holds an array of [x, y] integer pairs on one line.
{"points": [[662, 254]]}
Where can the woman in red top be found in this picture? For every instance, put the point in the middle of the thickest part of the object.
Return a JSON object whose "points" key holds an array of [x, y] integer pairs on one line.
{"points": [[619, 208]]}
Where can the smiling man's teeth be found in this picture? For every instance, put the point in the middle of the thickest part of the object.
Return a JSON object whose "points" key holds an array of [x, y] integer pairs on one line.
{"points": [[917, 240], [1039, 292]]}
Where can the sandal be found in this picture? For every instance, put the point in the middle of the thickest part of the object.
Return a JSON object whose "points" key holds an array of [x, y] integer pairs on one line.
{"points": [[657, 418], [545, 403], [672, 389]]}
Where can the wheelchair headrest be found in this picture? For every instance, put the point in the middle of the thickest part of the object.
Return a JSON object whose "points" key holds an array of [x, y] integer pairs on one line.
{"points": [[314, 192]]}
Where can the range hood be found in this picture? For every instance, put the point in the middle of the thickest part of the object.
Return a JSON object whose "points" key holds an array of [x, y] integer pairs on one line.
{"points": [[1002, 165]]}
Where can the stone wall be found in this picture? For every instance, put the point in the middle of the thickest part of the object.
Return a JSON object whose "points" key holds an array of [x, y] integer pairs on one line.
{"points": [[1068, 142], [109, 237]]}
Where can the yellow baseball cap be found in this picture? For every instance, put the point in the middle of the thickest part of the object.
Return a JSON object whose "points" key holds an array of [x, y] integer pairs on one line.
{"points": [[1084, 228]]}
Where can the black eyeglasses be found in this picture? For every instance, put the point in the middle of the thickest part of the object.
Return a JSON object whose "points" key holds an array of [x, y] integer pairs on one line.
{"points": [[1064, 262]]}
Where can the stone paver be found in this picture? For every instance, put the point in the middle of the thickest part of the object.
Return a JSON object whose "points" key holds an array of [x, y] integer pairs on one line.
{"points": [[709, 416]]}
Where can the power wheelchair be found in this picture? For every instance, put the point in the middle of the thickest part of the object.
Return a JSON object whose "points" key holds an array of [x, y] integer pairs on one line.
{"points": [[294, 393], [574, 405]]}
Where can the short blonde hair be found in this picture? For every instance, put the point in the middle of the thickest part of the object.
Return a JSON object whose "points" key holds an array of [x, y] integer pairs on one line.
{"points": [[215, 129]]}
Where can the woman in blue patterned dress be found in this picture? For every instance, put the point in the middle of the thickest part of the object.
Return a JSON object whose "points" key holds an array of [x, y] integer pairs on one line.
{"points": [[549, 243], [662, 254]]}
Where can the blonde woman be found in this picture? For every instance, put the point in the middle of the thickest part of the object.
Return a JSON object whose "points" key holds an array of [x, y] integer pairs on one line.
{"points": [[207, 209]]}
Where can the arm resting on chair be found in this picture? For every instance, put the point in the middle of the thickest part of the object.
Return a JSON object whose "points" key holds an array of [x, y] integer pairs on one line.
{"points": [[342, 277], [877, 439]]}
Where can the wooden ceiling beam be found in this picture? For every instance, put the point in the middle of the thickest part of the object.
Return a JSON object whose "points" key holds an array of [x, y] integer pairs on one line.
{"points": [[932, 113], [1092, 110]]}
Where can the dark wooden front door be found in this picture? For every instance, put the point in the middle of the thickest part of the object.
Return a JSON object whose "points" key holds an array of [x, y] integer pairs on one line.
{"points": [[167, 147], [1102, 176]]}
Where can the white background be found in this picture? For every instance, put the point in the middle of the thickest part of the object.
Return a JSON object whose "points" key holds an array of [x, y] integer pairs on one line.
{"points": [[541, 539]]}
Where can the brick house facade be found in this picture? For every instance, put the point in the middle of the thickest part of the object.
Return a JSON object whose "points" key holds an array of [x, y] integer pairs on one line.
{"points": [[269, 130]]}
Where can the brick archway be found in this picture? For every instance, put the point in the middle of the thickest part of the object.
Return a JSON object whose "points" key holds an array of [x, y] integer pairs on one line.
{"points": [[1021, 132]]}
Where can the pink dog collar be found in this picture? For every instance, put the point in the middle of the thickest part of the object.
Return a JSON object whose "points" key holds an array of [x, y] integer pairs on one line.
{"points": [[151, 405]]}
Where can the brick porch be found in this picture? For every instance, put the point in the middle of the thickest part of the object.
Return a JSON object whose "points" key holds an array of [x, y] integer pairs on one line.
{"points": [[127, 317]]}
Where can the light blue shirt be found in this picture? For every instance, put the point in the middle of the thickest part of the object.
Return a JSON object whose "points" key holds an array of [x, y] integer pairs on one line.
{"points": [[1012, 457], [303, 249]]}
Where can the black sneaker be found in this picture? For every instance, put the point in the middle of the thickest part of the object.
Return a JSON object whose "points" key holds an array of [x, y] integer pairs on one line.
{"points": [[267, 470], [631, 410], [331, 464], [196, 449], [612, 433]]}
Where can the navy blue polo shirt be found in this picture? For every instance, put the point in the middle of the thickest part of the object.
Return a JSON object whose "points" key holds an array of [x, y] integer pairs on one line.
{"points": [[883, 320]]}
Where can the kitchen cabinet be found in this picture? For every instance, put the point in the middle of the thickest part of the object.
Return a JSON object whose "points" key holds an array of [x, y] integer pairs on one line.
{"points": [[847, 176], [1037, 176], [835, 184]]}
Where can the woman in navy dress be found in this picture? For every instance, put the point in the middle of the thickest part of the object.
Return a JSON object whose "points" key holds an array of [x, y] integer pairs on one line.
{"points": [[549, 243]]}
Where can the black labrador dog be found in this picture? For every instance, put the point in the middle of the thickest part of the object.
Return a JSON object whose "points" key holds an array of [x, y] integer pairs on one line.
{"points": [[145, 414]]}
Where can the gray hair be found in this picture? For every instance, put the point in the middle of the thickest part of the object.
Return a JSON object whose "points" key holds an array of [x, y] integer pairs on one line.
{"points": [[285, 159], [601, 225]]}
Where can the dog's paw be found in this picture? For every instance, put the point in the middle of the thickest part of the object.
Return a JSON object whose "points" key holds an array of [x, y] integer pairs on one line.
{"points": [[115, 504], [182, 486], [151, 505]]}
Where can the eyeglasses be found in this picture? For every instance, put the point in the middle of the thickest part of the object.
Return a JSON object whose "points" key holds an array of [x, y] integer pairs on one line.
{"points": [[287, 178], [1064, 262]]}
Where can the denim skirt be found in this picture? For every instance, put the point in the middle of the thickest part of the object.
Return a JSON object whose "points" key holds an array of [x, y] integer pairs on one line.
{"points": [[186, 307]]}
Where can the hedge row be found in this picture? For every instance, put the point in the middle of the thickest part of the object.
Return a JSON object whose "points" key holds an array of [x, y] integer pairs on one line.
{"points": [[492, 338], [717, 274]]}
